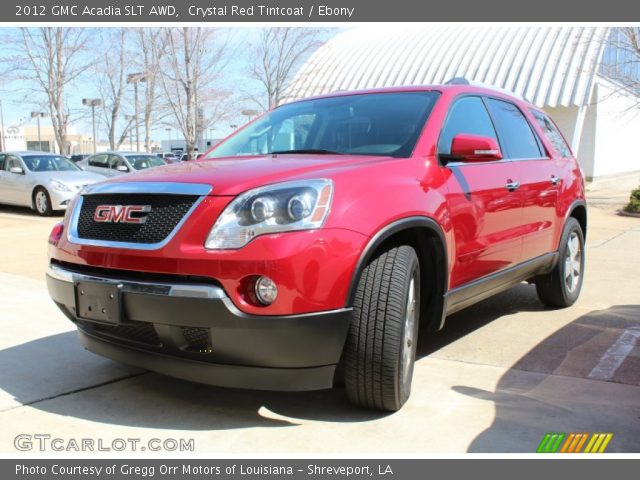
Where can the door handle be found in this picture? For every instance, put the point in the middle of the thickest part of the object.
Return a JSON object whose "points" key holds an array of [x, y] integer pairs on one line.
{"points": [[555, 180], [512, 186]]}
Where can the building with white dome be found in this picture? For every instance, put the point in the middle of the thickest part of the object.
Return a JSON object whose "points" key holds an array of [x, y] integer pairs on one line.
{"points": [[560, 69]]}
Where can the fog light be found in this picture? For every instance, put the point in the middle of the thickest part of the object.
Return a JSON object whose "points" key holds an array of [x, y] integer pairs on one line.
{"points": [[266, 290]]}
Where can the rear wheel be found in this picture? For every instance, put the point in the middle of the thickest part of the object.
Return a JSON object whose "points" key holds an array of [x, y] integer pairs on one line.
{"points": [[42, 202], [561, 287], [381, 344]]}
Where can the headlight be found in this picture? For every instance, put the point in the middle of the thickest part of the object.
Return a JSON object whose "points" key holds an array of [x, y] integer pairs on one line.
{"points": [[59, 186], [283, 207]]}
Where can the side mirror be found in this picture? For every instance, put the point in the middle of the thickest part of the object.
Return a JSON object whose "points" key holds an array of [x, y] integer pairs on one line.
{"points": [[122, 168], [17, 170], [475, 148]]}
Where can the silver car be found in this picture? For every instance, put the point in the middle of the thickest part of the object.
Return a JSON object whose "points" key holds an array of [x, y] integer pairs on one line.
{"points": [[111, 164], [40, 180]]}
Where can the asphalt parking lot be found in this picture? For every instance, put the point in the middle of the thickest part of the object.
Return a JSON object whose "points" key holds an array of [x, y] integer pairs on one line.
{"points": [[496, 379]]}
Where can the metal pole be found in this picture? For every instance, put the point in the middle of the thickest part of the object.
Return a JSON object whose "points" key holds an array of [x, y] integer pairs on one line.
{"points": [[93, 121], [135, 94]]}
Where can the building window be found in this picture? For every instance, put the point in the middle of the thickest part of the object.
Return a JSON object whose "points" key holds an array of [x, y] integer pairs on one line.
{"points": [[38, 146], [621, 57]]}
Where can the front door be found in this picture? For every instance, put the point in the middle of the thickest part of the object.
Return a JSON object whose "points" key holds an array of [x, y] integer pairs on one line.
{"points": [[484, 200]]}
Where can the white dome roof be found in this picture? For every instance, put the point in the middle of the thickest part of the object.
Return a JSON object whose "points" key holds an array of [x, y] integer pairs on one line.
{"points": [[549, 66]]}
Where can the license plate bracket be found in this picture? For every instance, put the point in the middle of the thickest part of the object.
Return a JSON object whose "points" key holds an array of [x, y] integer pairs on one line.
{"points": [[98, 302]]}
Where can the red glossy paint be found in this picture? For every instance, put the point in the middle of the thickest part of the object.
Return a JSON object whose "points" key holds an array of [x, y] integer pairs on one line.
{"points": [[475, 148], [487, 227]]}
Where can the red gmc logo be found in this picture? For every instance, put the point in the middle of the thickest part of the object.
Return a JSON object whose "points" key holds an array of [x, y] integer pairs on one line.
{"points": [[121, 213]]}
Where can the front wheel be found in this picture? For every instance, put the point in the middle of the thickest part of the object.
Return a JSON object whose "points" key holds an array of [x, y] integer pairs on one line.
{"points": [[42, 202], [561, 287], [381, 344]]}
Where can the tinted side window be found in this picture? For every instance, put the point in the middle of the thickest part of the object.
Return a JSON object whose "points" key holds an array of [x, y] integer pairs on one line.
{"points": [[552, 132], [468, 115], [98, 161], [12, 162], [517, 138], [115, 162]]}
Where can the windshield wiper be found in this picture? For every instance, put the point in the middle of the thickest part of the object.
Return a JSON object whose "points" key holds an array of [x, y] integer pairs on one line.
{"points": [[316, 151]]}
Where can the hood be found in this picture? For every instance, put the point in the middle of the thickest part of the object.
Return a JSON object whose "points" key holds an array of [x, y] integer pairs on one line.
{"points": [[73, 178], [234, 175]]}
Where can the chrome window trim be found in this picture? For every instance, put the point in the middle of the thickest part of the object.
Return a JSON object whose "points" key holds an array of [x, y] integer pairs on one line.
{"points": [[136, 187]]}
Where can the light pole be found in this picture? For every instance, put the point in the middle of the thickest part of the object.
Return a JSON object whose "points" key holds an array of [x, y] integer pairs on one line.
{"points": [[130, 118], [136, 78], [39, 115], [93, 103]]}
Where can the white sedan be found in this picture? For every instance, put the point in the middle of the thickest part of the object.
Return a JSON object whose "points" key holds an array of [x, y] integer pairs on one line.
{"points": [[40, 180]]}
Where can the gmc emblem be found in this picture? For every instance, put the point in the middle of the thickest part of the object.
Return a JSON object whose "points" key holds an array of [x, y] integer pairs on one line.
{"points": [[121, 213]]}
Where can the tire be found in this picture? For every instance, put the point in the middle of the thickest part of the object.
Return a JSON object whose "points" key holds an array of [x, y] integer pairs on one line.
{"points": [[381, 344], [561, 287], [42, 202]]}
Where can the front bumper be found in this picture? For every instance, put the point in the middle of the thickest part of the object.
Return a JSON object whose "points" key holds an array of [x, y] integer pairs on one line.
{"points": [[194, 332], [60, 200]]}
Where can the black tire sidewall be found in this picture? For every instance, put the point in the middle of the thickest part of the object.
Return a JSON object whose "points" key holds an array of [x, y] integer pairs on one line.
{"points": [[571, 226], [404, 385]]}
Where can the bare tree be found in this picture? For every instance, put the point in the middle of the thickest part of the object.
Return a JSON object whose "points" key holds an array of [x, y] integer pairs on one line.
{"points": [[621, 62], [150, 44], [111, 75], [276, 57], [191, 68], [52, 56]]}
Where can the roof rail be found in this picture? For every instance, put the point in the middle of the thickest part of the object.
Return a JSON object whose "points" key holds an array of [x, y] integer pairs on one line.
{"points": [[458, 81], [464, 81]]}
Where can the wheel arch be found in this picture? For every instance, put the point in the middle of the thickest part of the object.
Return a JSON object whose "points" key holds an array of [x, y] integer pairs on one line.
{"points": [[425, 235], [33, 194], [578, 210]]}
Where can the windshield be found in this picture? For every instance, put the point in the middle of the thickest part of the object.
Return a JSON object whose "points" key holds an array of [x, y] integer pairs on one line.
{"points": [[49, 163], [366, 124], [140, 162]]}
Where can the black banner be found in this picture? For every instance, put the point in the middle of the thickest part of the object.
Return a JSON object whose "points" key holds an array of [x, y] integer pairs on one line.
{"points": [[314, 469], [317, 11]]}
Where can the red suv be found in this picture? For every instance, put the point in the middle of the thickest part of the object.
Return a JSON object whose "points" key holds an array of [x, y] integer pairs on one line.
{"points": [[322, 235]]}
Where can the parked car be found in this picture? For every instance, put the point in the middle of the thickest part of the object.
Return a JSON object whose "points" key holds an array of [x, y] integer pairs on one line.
{"points": [[196, 156], [169, 157], [78, 157], [325, 233], [42, 181], [111, 164]]}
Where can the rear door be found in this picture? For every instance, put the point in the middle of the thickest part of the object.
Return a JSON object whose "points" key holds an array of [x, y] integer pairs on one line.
{"points": [[537, 173], [485, 212]]}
